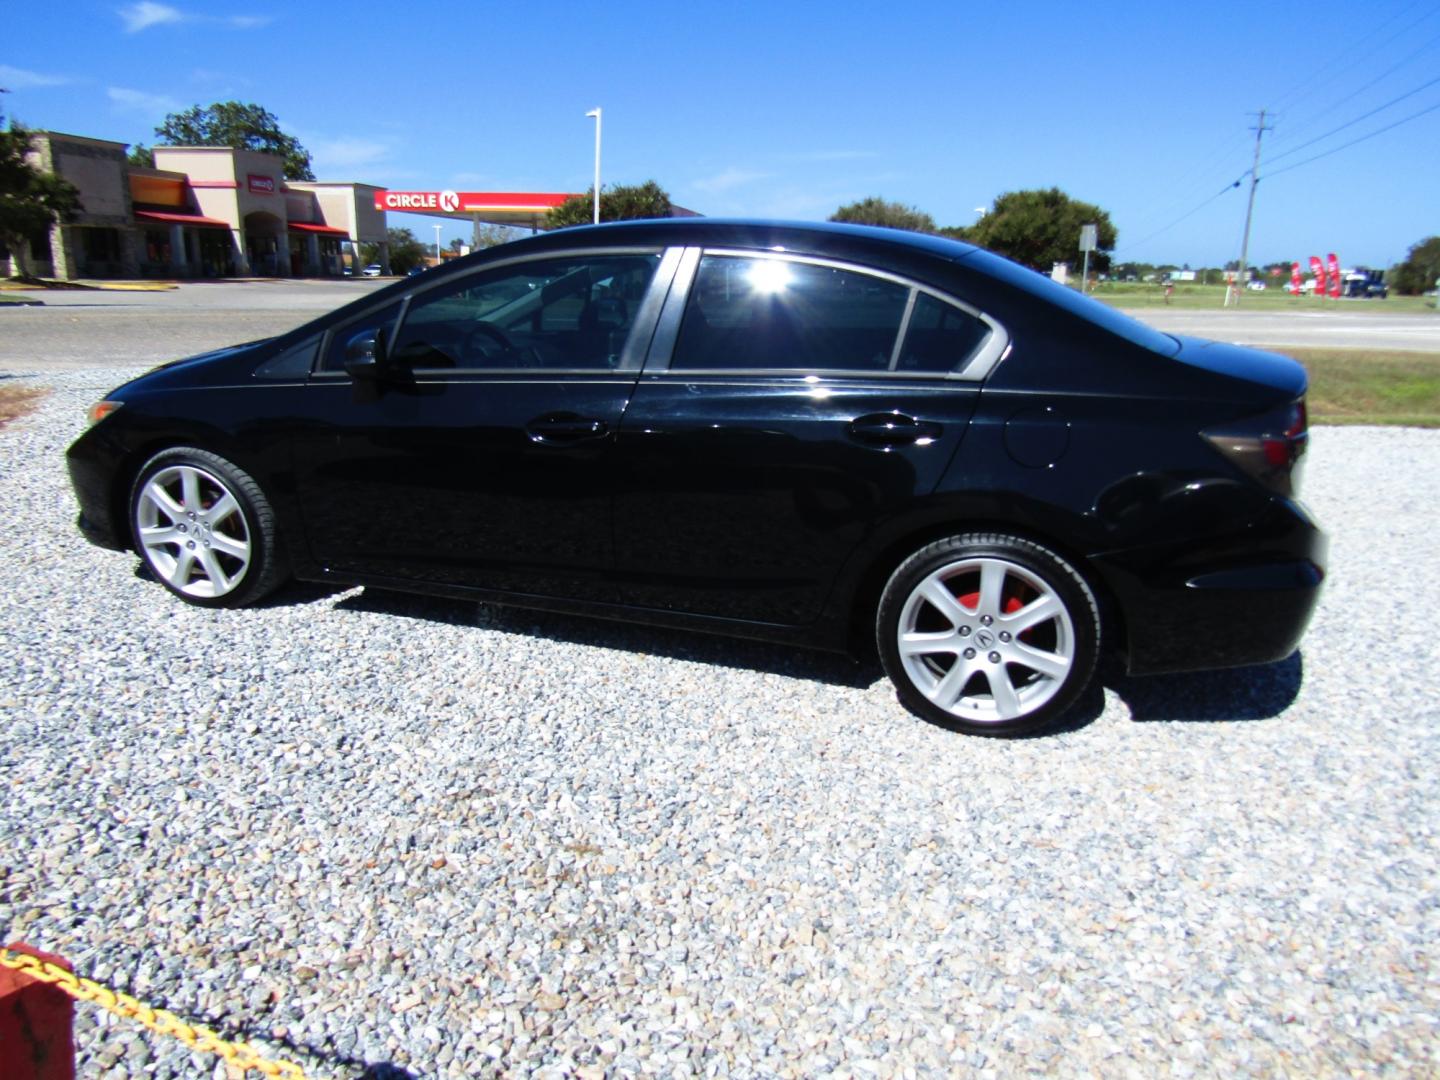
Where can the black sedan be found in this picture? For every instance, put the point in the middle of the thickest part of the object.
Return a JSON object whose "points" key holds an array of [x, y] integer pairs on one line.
{"points": [[831, 436]]}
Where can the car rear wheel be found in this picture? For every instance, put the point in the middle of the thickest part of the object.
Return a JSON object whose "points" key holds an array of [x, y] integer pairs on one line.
{"points": [[205, 529], [988, 634]]}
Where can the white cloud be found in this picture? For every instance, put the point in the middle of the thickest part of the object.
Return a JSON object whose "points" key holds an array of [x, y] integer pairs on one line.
{"points": [[147, 13], [139, 101], [730, 178], [13, 78], [346, 152]]}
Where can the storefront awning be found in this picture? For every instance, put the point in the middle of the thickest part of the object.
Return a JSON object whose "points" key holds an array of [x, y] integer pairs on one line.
{"points": [[306, 227], [180, 219]]}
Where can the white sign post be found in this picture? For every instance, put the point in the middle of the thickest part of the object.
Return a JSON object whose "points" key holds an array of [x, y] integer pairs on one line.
{"points": [[1088, 238]]}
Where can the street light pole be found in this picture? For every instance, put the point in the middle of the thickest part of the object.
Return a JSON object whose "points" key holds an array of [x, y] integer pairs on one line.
{"points": [[437, 244], [595, 112]]}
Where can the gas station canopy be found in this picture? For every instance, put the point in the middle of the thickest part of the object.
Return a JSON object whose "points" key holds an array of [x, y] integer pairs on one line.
{"points": [[519, 208]]}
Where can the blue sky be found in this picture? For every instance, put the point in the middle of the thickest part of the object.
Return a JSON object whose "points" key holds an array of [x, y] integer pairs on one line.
{"points": [[790, 110]]}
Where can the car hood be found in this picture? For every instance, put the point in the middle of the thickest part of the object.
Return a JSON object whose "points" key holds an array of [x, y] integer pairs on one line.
{"points": [[1241, 362], [201, 366]]}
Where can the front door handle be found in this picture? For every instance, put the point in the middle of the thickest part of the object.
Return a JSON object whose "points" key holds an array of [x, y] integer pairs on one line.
{"points": [[893, 429], [565, 427]]}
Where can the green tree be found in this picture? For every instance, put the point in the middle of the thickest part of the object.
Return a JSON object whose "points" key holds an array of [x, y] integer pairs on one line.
{"points": [[30, 200], [488, 236], [1040, 227], [406, 252], [243, 126], [1419, 271], [890, 215], [621, 202], [141, 156]]}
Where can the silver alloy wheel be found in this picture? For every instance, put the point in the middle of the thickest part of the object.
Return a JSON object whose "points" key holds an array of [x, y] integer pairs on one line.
{"points": [[986, 640], [193, 531]]}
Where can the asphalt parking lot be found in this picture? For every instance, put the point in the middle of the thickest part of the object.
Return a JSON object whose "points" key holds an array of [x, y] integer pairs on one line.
{"points": [[366, 828]]}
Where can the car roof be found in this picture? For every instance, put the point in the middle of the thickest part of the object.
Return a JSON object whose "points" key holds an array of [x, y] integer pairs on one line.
{"points": [[810, 236]]}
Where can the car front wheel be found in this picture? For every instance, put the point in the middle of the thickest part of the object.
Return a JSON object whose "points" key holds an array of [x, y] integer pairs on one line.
{"points": [[988, 634], [205, 529]]}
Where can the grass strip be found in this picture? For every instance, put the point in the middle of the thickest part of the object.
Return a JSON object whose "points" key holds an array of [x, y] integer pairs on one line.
{"points": [[1135, 295], [1361, 386]]}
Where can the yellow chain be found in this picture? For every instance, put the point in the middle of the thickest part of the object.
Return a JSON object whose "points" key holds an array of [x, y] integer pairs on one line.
{"points": [[238, 1054]]}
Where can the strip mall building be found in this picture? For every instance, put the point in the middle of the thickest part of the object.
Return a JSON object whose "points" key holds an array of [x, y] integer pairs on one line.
{"points": [[217, 212]]}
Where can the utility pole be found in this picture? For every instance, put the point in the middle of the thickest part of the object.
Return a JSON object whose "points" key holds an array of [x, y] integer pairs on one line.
{"points": [[1232, 295]]}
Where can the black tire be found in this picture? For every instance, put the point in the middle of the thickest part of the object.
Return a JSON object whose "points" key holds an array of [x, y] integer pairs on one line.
{"points": [[994, 690], [230, 560]]}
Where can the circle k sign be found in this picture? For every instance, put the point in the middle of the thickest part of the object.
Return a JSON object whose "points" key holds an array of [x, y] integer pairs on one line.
{"points": [[448, 201]]}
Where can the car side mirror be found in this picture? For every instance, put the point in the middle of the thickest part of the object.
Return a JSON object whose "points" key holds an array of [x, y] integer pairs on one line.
{"points": [[366, 355]]}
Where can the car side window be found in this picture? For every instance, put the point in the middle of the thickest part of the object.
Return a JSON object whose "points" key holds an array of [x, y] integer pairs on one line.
{"points": [[359, 330], [556, 314], [774, 313], [940, 336]]}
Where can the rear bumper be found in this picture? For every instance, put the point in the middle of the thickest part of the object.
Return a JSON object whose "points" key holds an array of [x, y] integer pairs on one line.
{"points": [[1218, 609]]}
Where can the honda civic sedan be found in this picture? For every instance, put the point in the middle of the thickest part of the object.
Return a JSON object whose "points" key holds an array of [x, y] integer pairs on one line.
{"points": [[829, 436]]}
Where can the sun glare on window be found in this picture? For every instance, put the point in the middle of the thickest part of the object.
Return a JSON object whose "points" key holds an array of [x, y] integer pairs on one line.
{"points": [[769, 276]]}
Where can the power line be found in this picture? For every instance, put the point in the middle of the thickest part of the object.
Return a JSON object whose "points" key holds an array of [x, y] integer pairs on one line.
{"points": [[1357, 57], [1362, 138], [1182, 217], [1360, 90], [1352, 123]]}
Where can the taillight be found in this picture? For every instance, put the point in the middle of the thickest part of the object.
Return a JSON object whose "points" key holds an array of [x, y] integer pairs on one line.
{"points": [[1268, 447]]}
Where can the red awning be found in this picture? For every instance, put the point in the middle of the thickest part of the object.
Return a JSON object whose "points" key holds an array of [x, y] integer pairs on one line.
{"points": [[181, 219], [323, 230]]}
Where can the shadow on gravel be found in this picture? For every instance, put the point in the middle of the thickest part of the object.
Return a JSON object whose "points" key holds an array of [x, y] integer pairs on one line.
{"points": [[1252, 693], [790, 660], [336, 1062]]}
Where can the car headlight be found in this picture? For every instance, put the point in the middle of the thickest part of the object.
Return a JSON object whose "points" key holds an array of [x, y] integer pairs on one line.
{"points": [[102, 409]]}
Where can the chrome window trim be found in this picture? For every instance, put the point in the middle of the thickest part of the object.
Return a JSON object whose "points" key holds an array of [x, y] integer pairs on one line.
{"points": [[904, 331], [667, 330], [979, 365]]}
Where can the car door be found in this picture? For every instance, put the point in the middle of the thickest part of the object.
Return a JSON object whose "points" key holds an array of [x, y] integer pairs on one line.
{"points": [[481, 457], [789, 404]]}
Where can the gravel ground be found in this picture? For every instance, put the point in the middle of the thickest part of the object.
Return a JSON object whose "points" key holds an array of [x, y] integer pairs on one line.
{"points": [[363, 828]]}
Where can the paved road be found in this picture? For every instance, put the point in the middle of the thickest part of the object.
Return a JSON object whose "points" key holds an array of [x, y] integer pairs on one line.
{"points": [[1310, 329], [92, 328]]}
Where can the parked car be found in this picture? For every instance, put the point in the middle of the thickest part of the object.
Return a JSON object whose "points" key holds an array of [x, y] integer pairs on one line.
{"points": [[824, 435], [373, 270]]}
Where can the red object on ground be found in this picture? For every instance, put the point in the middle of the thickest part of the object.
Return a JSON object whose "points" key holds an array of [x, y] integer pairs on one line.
{"points": [[36, 1024]]}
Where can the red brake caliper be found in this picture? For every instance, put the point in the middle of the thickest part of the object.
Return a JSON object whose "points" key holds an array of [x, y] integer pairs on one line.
{"points": [[1012, 604]]}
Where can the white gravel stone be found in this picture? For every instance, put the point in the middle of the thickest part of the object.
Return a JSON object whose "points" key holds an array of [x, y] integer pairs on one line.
{"points": [[372, 828]]}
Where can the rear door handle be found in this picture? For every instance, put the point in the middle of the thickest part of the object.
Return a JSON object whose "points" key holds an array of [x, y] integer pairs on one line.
{"points": [[565, 427], [893, 429]]}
